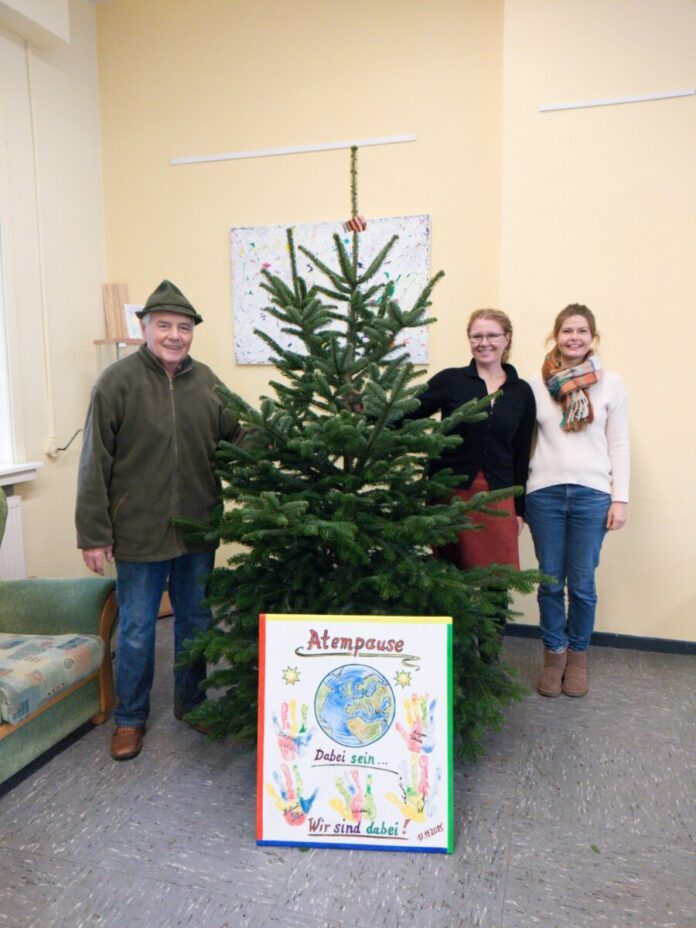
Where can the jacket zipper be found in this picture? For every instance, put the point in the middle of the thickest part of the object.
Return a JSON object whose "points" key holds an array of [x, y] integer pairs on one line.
{"points": [[176, 449]]}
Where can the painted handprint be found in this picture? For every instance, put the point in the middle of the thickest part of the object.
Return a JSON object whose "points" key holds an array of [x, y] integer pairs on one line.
{"points": [[415, 789], [354, 804], [420, 714], [288, 796], [293, 735]]}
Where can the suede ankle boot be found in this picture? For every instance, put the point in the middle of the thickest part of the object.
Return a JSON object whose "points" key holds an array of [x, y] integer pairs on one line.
{"points": [[550, 681], [575, 679]]}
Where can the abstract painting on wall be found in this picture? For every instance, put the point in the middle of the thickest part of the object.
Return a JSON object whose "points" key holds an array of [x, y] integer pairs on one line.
{"points": [[257, 248]]}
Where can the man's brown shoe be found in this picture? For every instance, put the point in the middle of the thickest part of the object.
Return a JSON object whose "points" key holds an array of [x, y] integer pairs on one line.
{"points": [[127, 742], [196, 726]]}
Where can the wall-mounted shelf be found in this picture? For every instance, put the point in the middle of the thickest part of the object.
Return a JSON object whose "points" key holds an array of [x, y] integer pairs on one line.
{"points": [[113, 349]]}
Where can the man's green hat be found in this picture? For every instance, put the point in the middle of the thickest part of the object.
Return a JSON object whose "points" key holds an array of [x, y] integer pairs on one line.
{"points": [[169, 299]]}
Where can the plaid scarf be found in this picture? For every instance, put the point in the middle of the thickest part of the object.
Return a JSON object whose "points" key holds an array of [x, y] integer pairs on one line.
{"points": [[567, 385]]}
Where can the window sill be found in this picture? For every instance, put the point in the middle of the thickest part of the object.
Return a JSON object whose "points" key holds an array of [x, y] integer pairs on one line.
{"points": [[19, 473]]}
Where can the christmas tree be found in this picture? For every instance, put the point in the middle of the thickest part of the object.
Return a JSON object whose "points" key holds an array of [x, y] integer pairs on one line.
{"points": [[331, 500]]}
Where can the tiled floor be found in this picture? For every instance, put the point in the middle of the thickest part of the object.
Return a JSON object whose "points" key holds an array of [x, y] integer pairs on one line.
{"points": [[580, 815]]}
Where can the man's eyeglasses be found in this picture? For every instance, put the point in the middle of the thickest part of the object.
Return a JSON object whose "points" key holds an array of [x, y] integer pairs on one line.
{"points": [[491, 337]]}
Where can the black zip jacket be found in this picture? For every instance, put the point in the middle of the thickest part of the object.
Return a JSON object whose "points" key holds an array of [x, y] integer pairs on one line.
{"points": [[499, 445]]}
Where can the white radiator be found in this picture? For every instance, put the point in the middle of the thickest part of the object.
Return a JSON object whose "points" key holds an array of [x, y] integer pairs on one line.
{"points": [[12, 563]]}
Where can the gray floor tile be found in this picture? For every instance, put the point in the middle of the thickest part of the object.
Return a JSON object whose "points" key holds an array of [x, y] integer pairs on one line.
{"points": [[200, 845], [580, 814], [358, 888], [266, 916], [92, 901], [75, 804], [30, 885], [570, 877], [582, 766]]}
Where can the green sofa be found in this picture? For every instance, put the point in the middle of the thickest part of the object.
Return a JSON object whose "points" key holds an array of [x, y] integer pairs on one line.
{"points": [[58, 607]]}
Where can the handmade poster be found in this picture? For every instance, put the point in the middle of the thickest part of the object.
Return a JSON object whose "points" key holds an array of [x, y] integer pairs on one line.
{"points": [[257, 248], [355, 732]]}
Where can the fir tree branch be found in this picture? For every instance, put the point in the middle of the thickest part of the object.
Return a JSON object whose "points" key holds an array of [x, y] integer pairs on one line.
{"points": [[383, 418], [293, 264], [378, 260], [336, 279], [345, 261]]}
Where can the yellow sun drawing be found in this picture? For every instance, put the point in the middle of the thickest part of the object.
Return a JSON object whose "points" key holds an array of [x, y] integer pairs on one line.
{"points": [[402, 678], [291, 675]]}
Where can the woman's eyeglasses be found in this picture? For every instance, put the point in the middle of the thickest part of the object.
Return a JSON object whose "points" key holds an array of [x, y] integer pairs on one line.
{"points": [[491, 337]]}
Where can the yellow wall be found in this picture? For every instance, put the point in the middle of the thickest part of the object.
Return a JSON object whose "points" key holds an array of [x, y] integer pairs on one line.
{"points": [[529, 212], [208, 76], [599, 207]]}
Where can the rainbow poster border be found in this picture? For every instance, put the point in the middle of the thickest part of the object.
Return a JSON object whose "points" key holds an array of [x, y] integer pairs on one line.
{"points": [[355, 741]]}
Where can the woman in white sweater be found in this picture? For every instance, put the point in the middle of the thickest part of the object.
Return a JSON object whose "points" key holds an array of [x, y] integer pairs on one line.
{"points": [[577, 491]]}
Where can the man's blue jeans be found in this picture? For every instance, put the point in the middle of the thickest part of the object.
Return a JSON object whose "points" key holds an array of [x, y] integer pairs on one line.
{"points": [[139, 589], [568, 525]]}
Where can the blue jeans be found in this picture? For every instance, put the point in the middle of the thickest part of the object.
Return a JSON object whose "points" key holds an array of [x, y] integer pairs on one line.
{"points": [[568, 525], [139, 589]]}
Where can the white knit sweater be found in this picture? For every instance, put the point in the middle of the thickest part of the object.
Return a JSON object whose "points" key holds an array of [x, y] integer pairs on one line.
{"points": [[597, 457]]}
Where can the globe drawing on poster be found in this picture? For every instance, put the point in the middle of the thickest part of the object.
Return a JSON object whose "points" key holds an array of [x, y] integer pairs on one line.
{"points": [[354, 705], [257, 248], [355, 732]]}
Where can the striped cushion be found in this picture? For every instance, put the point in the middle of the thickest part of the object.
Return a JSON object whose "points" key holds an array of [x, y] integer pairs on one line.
{"points": [[35, 668]]}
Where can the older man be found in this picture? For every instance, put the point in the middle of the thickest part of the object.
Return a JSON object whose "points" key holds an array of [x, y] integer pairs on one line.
{"points": [[152, 428]]}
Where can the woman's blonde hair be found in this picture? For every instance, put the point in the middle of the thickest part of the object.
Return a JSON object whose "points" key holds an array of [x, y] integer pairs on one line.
{"points": [[495, 315], [572, 309]]}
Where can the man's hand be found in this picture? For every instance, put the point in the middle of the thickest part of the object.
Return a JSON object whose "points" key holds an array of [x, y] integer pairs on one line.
{"points": [[94, 558]]}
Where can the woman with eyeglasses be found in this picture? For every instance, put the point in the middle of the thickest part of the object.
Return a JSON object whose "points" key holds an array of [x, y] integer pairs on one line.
{"points": [[576, 492], [494, 453]]}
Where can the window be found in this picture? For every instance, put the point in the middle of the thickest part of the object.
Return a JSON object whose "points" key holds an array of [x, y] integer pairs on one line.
{"points": [[6, 428]]}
